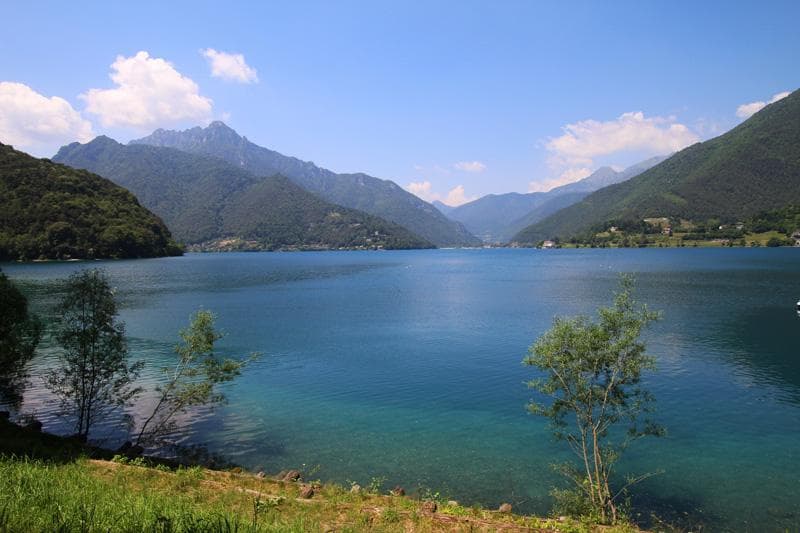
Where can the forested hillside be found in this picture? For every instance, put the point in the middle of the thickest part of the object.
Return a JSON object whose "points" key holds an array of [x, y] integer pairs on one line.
{"points": [[752, 168], [382, 198], [52, 211], [207, 201]]}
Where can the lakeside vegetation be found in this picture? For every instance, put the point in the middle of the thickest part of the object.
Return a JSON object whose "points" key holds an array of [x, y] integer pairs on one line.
{"points": [[772, 228], [52, 211], [50, 483]]}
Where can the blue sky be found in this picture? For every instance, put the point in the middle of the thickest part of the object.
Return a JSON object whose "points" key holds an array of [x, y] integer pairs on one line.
{"points": [[450, 99]]}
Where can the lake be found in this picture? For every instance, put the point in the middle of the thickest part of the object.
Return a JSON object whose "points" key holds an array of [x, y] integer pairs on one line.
{"points": [[407, 366]]}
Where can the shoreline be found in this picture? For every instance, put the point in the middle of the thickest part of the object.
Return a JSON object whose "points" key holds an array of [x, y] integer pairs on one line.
{"points": [[286, 496]]}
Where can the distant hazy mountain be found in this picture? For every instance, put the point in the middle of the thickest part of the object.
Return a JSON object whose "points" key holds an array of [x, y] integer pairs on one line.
{"points": [[206, 200], [498, 217], [51, 211], [382, 198], [753, 167], [444, 208]]}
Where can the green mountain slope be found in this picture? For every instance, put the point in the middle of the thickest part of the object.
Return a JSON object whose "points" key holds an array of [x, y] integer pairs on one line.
{"points": [[382, 198], [209, 202], [51, 211], [752, 168]]}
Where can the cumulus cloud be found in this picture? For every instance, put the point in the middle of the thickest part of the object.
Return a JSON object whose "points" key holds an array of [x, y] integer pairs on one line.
{"points": [[149, 93], [572, 154], [570, 175], [470, 166], [423, 189], [38, 123], [748, 110], [230, 67], [454, 197], [587, 139]]}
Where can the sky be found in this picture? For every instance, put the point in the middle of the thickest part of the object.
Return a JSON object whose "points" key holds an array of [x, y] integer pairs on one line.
{"points": [[451, 100]]}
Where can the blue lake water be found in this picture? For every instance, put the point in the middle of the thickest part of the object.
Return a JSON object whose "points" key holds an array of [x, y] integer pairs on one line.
{"points": [[407, 365]]}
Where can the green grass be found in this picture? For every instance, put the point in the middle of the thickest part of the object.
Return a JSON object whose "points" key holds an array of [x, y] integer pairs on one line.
{"points": [[48, 484]]}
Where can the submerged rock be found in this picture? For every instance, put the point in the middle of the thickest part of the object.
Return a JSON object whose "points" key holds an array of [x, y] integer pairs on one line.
{"points": [[505, 508]]}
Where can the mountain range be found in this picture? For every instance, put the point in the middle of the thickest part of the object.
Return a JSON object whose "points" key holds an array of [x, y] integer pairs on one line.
{"points": [[51, 211], [209, 202], [752, 168], [381, 198], [498, 217]]}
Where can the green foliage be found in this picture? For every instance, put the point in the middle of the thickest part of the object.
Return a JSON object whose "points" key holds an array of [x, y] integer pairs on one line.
{"points": [[93, 376], [381, 198], [785, 220], [752, 168], [37, 496], [20, 333], [194, 379], [375, 485], [50, 211], [209, 202], [590, 386]]}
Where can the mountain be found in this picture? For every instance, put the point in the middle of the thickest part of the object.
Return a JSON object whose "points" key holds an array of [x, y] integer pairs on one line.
{"points": [[488, 216], [442, 207], [382, 198], [754, 167], [51, 211], [498, 217], [211, 203]]}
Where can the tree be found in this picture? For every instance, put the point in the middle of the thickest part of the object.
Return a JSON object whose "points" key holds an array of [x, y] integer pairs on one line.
{"points": [[95, 376], [591, 382], [20, 333], [193, 381]]}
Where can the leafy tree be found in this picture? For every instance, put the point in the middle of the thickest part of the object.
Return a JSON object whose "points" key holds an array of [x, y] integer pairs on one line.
{"points": [[591, 385], [95, 375], [20, 333], [193, 381]]}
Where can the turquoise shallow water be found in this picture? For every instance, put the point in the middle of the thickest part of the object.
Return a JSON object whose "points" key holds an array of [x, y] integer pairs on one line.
{"points": [[406, 365]]}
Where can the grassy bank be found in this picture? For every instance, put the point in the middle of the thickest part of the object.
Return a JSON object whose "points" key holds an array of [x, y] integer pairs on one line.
{"points": [[49, 483]]}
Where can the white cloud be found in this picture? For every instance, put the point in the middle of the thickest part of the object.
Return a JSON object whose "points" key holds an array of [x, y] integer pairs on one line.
{"points": [[585, 140], [423, 189], [230, 67], [454, 196], [149, 93], [748, 110], [568, 176], [32, 121], [573, 153], [470, 166]]}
